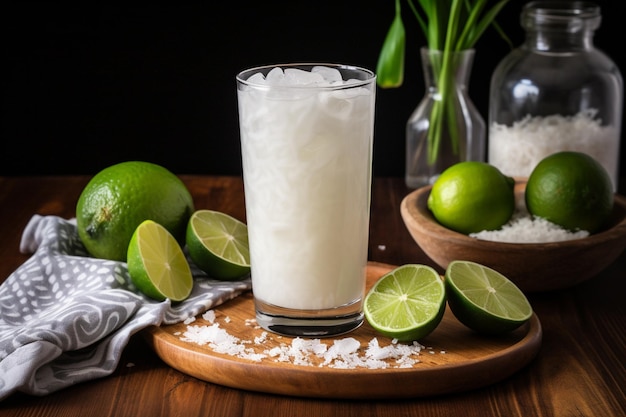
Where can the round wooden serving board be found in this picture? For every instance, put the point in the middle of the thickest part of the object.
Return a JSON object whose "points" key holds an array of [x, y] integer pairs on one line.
{"points": [[454, 358]]}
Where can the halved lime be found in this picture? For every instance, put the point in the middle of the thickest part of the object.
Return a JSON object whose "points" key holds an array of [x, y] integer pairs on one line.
{"points": [[157, 264], [485, 300], [407, 303], [218, 244]]}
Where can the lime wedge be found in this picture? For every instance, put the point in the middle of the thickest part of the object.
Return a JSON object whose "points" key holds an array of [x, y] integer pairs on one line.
{"points": [[157, 264], [218, 244], [407, 303], [485, 300]]}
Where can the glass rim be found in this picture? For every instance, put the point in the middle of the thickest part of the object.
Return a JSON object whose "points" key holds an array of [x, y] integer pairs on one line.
{"points": [[242, 76], [563, 9]]}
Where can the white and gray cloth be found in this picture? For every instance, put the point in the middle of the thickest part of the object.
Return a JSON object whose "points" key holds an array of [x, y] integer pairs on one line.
{"points": [[66, 317]]}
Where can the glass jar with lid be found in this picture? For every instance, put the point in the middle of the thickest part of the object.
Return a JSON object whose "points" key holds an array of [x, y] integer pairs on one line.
{"points": [[555, 92]]}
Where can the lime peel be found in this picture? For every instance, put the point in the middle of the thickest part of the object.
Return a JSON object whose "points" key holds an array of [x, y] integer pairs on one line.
{"points": [[471, 196], [119, 197], [570, 189]]}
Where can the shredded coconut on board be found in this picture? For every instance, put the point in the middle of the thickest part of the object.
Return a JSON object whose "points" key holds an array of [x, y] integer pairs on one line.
{"points": [[343, 353]]}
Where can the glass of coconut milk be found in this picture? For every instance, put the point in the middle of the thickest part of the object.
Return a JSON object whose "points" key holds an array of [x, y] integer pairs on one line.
{"points": [[306, 143]]}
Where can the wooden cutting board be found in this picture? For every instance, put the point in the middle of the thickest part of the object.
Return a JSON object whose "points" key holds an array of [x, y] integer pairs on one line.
{"points": [[454, 358]]}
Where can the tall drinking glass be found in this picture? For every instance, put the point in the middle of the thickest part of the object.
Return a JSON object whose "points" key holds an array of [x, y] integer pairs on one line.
{"points": [[306, 139]]}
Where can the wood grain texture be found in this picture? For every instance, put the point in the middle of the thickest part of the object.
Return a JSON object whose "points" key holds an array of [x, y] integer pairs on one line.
{"points": [[454, 359], [579, 371]]}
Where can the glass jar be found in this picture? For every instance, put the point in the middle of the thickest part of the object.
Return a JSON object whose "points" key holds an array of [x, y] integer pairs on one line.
{"points": [[555, 92]]}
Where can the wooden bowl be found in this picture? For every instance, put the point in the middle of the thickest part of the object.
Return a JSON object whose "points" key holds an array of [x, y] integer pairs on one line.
{"points": [[533, 267]]}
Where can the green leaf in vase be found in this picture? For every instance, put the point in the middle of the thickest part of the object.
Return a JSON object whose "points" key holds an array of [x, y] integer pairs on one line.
{"points": [[449, 26], [390, 68]]}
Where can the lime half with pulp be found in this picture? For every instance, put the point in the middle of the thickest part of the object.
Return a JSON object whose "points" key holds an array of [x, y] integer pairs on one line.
{"points": [[218, 244], [484, 299], [407, 303], [157, 264]]}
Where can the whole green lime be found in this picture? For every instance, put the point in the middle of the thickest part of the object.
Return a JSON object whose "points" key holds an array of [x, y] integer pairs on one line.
{"points": [[472, 196], [120, 197], [572, 190]]}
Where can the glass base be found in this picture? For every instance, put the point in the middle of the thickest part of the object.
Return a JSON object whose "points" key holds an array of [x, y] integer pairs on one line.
{"points": [[309, 323], [419, 181]]}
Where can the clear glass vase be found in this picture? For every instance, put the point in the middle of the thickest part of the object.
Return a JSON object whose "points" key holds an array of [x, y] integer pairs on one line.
{"points": [[446, 127]]}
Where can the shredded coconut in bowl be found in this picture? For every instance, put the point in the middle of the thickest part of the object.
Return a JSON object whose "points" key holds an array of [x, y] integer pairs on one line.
{"points": [[524, 228]]}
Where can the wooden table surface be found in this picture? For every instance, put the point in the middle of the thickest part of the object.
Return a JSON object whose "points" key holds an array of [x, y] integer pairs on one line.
{"points": [[580, 369]]}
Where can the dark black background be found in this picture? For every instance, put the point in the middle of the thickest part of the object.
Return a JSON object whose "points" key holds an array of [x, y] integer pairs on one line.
{"points": [[87, 86]]}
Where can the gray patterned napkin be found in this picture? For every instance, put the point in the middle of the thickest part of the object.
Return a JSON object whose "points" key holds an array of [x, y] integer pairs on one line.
{"points": [[66, 317]]}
